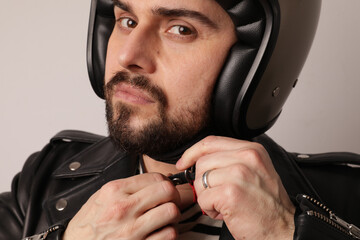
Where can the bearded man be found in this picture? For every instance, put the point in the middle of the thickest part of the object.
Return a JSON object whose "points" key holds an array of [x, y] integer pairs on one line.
{"points": [[190, 86]]}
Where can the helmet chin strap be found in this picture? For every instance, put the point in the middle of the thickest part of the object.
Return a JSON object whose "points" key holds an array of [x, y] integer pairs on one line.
{"points": [[173, 156]]}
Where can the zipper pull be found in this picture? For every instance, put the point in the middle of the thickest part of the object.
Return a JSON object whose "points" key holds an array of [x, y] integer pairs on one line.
{"points": [[352, 229], [188, 176]]}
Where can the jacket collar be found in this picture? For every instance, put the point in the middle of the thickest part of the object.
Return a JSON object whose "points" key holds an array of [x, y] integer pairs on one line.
{"points": [[92, 161], [91, 168]]}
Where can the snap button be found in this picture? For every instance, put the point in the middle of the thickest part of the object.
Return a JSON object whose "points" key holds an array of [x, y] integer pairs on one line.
{"points": [[303, 156], [74, 166], [61, 205]]}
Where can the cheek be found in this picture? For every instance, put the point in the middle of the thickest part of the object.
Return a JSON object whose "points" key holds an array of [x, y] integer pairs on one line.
{"points": [[191, 74], [188, 86], [194, 73]]}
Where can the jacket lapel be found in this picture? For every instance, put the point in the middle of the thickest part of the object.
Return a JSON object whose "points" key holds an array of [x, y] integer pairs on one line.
{"points": [[99, 164]]}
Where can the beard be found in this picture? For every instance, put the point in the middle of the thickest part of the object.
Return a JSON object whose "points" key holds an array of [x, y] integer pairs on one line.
{"points": [[160, 133]]}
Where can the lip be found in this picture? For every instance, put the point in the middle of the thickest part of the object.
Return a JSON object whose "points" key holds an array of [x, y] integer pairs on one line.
{"points": [[132, 94]]}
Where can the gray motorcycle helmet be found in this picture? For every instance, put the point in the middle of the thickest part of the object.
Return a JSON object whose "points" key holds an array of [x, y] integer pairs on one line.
{"points": [[274, 38]]}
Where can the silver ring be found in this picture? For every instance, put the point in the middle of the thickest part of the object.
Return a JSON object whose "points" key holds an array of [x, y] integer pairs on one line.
{"points": [[205, 180]]}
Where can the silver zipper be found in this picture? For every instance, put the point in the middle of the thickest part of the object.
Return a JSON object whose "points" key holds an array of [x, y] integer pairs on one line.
{"points": [[332, 219], [43, 235], [353, 230]]}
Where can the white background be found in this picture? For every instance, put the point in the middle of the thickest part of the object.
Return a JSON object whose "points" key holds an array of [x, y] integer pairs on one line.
{"points": [[44, 85]]}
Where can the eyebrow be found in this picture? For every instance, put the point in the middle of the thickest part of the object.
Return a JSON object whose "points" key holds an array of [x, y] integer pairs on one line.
{"points": [[177, 12], [122, 5], [181, 12]]}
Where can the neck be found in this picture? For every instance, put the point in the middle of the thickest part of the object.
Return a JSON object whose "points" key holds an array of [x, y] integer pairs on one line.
{"points": [[186, 193]]}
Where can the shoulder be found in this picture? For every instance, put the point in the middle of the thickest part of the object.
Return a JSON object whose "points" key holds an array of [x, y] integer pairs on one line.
{"points": [[60, 148], [71, 167], [310, 160], [77, 136], [62, 145], [331, 177]]}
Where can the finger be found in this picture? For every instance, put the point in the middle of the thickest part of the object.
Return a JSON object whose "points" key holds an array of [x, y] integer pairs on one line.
{"points": [[248, 157], [206, 146], [234, 174], [252, 155], [133, 184], [210, 202], [158, 217], [154, 195], [166, 233], [138, 182], [226, 200]]}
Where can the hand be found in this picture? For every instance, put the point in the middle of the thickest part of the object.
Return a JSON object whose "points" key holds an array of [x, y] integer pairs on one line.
{"points": [[244, 189], [139, 207]]}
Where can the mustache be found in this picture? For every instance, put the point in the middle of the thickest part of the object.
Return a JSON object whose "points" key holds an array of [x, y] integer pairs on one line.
{"points": [[138, 81]]}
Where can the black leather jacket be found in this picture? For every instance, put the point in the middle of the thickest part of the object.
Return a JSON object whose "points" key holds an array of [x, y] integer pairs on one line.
{"points": [[58, 180]]}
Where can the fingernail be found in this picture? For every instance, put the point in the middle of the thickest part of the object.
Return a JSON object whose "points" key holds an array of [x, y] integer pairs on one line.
{"points": [[178, 164]]}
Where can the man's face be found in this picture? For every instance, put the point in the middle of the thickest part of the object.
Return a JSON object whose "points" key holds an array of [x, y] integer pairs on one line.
{"points": [[162, 62]]}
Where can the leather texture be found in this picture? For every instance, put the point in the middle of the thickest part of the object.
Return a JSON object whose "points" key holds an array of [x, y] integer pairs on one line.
{"points": [[274, 39], [306, 230], [310, 213], [30, 208]]}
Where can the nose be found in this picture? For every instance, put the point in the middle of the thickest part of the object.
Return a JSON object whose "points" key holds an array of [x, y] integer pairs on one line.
{"points": [[136, 51]]}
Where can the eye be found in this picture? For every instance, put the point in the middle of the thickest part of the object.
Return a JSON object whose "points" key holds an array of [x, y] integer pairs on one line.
{"points": [[126, 22], [181, 30]]}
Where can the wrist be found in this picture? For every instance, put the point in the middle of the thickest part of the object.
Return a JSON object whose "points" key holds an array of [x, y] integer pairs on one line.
{"points": [[287, 228]]}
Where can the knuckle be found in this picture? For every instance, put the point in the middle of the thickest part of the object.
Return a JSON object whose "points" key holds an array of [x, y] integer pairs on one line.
{"points": [[110, 187], [254, 156], [258, 146], [201, 162], [253, 153], [169, 188], [172, 210], [158, 177], [240, 171], [171, 233], [232, 193], [209, 140]]}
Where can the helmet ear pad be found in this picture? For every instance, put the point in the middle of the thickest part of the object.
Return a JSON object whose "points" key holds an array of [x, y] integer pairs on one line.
{"points": [[254, 25], [101, 24]]}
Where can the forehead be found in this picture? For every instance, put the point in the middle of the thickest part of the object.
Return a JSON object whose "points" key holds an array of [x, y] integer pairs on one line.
{"points": [[173, 3], [211, 8], [208, 10]]}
